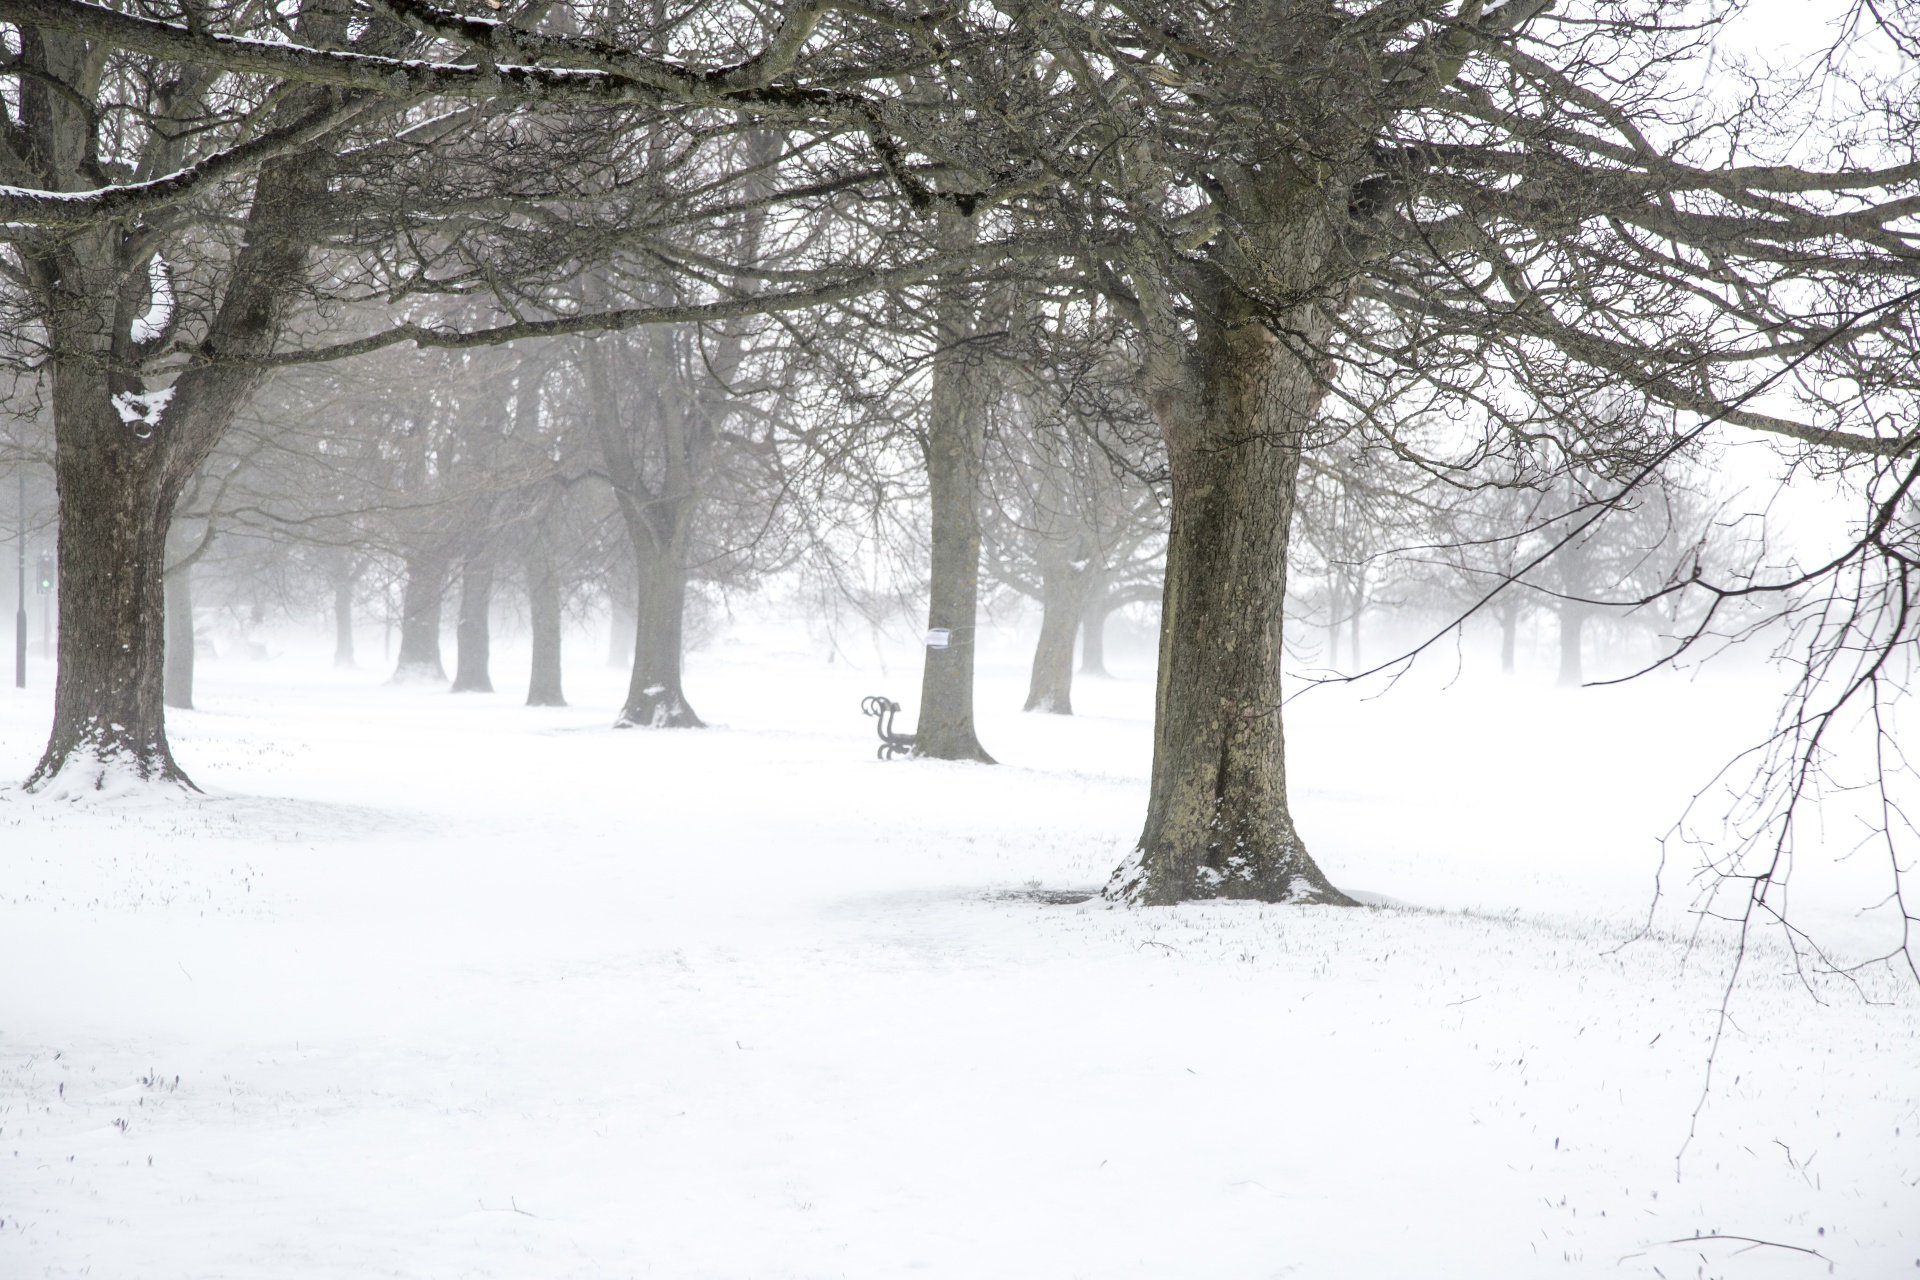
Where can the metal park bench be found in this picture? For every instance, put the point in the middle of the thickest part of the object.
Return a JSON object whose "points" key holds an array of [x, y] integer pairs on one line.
{"points": [[883, 710]]}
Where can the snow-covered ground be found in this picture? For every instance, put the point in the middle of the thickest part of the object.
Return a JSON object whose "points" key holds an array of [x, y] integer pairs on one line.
{"points": [[436, 986]]}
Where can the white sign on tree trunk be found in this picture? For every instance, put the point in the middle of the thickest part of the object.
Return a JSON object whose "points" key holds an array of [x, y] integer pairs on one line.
{"points": [[938, 637]]}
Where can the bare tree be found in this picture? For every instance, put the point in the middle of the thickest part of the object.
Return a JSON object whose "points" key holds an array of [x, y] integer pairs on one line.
{"points": [[1305, 211], [1068, 529]]}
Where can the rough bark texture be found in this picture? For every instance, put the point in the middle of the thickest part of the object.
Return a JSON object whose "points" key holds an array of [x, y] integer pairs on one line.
{"points": [[180, 655], [420, 604], [118, 483], [954, 458], [472, 636], [114, 510], [543, 609], [1235, 406], [121, 461]]}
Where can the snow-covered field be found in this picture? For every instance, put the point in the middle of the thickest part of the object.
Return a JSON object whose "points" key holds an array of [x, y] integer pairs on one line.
{"points": [[436, 986]]}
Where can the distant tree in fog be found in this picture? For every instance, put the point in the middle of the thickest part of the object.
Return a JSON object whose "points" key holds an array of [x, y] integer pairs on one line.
{"points": [[1067, 527], [1361, 508]]}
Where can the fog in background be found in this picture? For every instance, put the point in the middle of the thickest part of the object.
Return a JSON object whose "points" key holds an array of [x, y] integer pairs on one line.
{"points": [[1018, 640]]}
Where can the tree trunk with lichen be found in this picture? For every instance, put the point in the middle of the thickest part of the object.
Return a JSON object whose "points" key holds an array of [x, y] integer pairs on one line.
{"points": [[124, 453], [954, 458], [1235, 407], [115, 506]]}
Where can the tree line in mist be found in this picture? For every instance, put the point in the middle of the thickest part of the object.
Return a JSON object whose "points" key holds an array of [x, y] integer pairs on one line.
{"points": [[1270, 310], [429, 494]]}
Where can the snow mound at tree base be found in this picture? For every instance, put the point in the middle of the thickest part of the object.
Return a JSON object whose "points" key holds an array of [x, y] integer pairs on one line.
{"points": [[115, 778]]}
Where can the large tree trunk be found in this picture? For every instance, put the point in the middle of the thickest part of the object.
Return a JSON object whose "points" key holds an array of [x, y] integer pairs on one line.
{"points": [[472, 636], [1573, 618], [954, 447], [180, 655], [121, 462], [693, 397], [118, 483], [1062, 604], [343, 622], [109, 710], [110, 687], [655, 698], [659, 521], [543, 610], [420, 604], [1234, 409]]}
